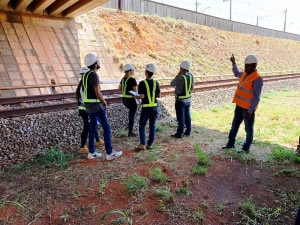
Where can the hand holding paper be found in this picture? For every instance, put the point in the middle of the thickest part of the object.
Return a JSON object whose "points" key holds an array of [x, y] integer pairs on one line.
{"points": [[135, 93]]}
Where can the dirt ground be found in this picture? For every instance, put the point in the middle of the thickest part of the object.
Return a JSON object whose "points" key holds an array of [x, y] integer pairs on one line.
{"points": [[87, 189]]}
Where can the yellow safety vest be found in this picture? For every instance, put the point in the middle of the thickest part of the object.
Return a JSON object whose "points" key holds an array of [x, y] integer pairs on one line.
{"points": [[85, 85], [150, 100], [124, 85], [187, 88]]}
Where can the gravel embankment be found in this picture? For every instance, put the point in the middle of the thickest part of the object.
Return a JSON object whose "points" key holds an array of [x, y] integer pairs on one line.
{"points": [[25, 136]]}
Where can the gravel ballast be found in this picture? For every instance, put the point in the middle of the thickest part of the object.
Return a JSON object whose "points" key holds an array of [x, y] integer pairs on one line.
{"points": [[24, 137]]}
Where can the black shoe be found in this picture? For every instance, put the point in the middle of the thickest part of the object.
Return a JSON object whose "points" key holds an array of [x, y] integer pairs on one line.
{"points": [[187, 133], [176, 135], [132, 135], [246, 149], [228, 146]]}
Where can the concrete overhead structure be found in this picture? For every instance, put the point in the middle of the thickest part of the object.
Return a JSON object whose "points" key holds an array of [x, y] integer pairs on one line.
{"points": [[55, 8], [42, 47]]}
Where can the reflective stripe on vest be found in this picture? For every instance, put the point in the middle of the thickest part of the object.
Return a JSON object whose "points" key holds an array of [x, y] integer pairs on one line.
{"points": [[85, 85], [150, 100], [187, 89], [81, 107], [244, 92], [124, 85]]}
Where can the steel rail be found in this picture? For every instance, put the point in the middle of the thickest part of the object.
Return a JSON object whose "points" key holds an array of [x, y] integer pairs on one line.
{"points": [[110, 100], [47, 108], [37, 98]]}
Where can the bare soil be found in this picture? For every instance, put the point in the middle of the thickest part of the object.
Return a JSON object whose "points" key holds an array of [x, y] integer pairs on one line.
{"points": [[142, 39], [87, 189]]}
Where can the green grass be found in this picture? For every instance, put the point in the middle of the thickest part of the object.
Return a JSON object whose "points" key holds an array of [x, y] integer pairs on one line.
{"points": [[149, 155], [281, 155], [185, 189], [158, 175], [252, 214], [220, 208], [198, 216], [287, 172], [245, 158], [274, 124], [121, 133], [45, 159], [161, 128], [164, 193], [202, 164], [134, 183], [125, 217]]}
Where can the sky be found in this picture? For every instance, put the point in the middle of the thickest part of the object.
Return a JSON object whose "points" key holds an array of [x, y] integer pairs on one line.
{"points": [[266, 13]]}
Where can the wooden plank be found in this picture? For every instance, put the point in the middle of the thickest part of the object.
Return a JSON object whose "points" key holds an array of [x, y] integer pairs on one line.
{"points": [[58, 6], [38, 7], [4, 4], [21, 5], [81, 7]]}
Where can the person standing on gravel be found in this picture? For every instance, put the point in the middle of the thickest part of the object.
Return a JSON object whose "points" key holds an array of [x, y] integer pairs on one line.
{"points": [[85, 117], [148, 91], [184, 84], [128, 83], [246, 98], [96, 107]]}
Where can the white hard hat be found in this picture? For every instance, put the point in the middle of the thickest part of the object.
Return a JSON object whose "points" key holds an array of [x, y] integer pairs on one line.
{"points": [[185, 65], [90, 59], [151, 68], [250, 59], [84, 69], [128, 67]]}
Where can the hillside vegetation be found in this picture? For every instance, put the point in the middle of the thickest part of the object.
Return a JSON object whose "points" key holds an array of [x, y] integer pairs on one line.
{"points": [[140, 39]]}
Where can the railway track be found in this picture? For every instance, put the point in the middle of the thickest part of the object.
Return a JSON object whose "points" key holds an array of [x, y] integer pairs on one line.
{"points": [[20, 106]]}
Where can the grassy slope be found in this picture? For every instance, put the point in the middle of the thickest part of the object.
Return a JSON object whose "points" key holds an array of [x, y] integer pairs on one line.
{"points": [[140, 39]]}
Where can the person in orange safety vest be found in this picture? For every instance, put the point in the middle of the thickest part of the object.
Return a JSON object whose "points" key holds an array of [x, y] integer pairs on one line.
{"points": [[246, 98]]}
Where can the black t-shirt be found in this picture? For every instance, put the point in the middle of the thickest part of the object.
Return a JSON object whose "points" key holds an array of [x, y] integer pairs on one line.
{"points": [[131, 82], [142, 90], [93, 79]]}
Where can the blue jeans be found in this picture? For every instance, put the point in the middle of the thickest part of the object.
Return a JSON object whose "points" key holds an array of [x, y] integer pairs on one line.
{"points": [[183, 116], [132, 106], [297, 220], [86, 126], [101, 117], [150, 113], [239, 117]]}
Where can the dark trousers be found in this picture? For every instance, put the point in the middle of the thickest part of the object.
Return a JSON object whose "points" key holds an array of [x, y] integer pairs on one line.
{"points": [[239, 117], [100, 117], [297, 220], [148, 113], [132, 106], [183, 116], [86, 126]]}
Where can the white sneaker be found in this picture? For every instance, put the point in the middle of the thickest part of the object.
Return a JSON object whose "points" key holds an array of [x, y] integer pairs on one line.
{"points": [[113, 155], [94, 155]]}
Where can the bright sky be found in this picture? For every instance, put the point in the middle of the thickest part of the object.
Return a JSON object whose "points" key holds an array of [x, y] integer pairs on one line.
{"points": [[268, 13]]}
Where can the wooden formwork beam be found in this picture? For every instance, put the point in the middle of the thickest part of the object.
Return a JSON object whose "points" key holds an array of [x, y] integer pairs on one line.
{"points": [[58, 6], [82, 7], [40, 6]]}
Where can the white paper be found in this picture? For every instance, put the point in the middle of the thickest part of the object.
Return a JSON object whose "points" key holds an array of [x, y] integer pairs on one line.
{"points": [[135, 93]]}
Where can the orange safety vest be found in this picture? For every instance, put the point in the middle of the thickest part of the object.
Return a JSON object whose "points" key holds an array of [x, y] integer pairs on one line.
{"points": [[244, 92]]}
